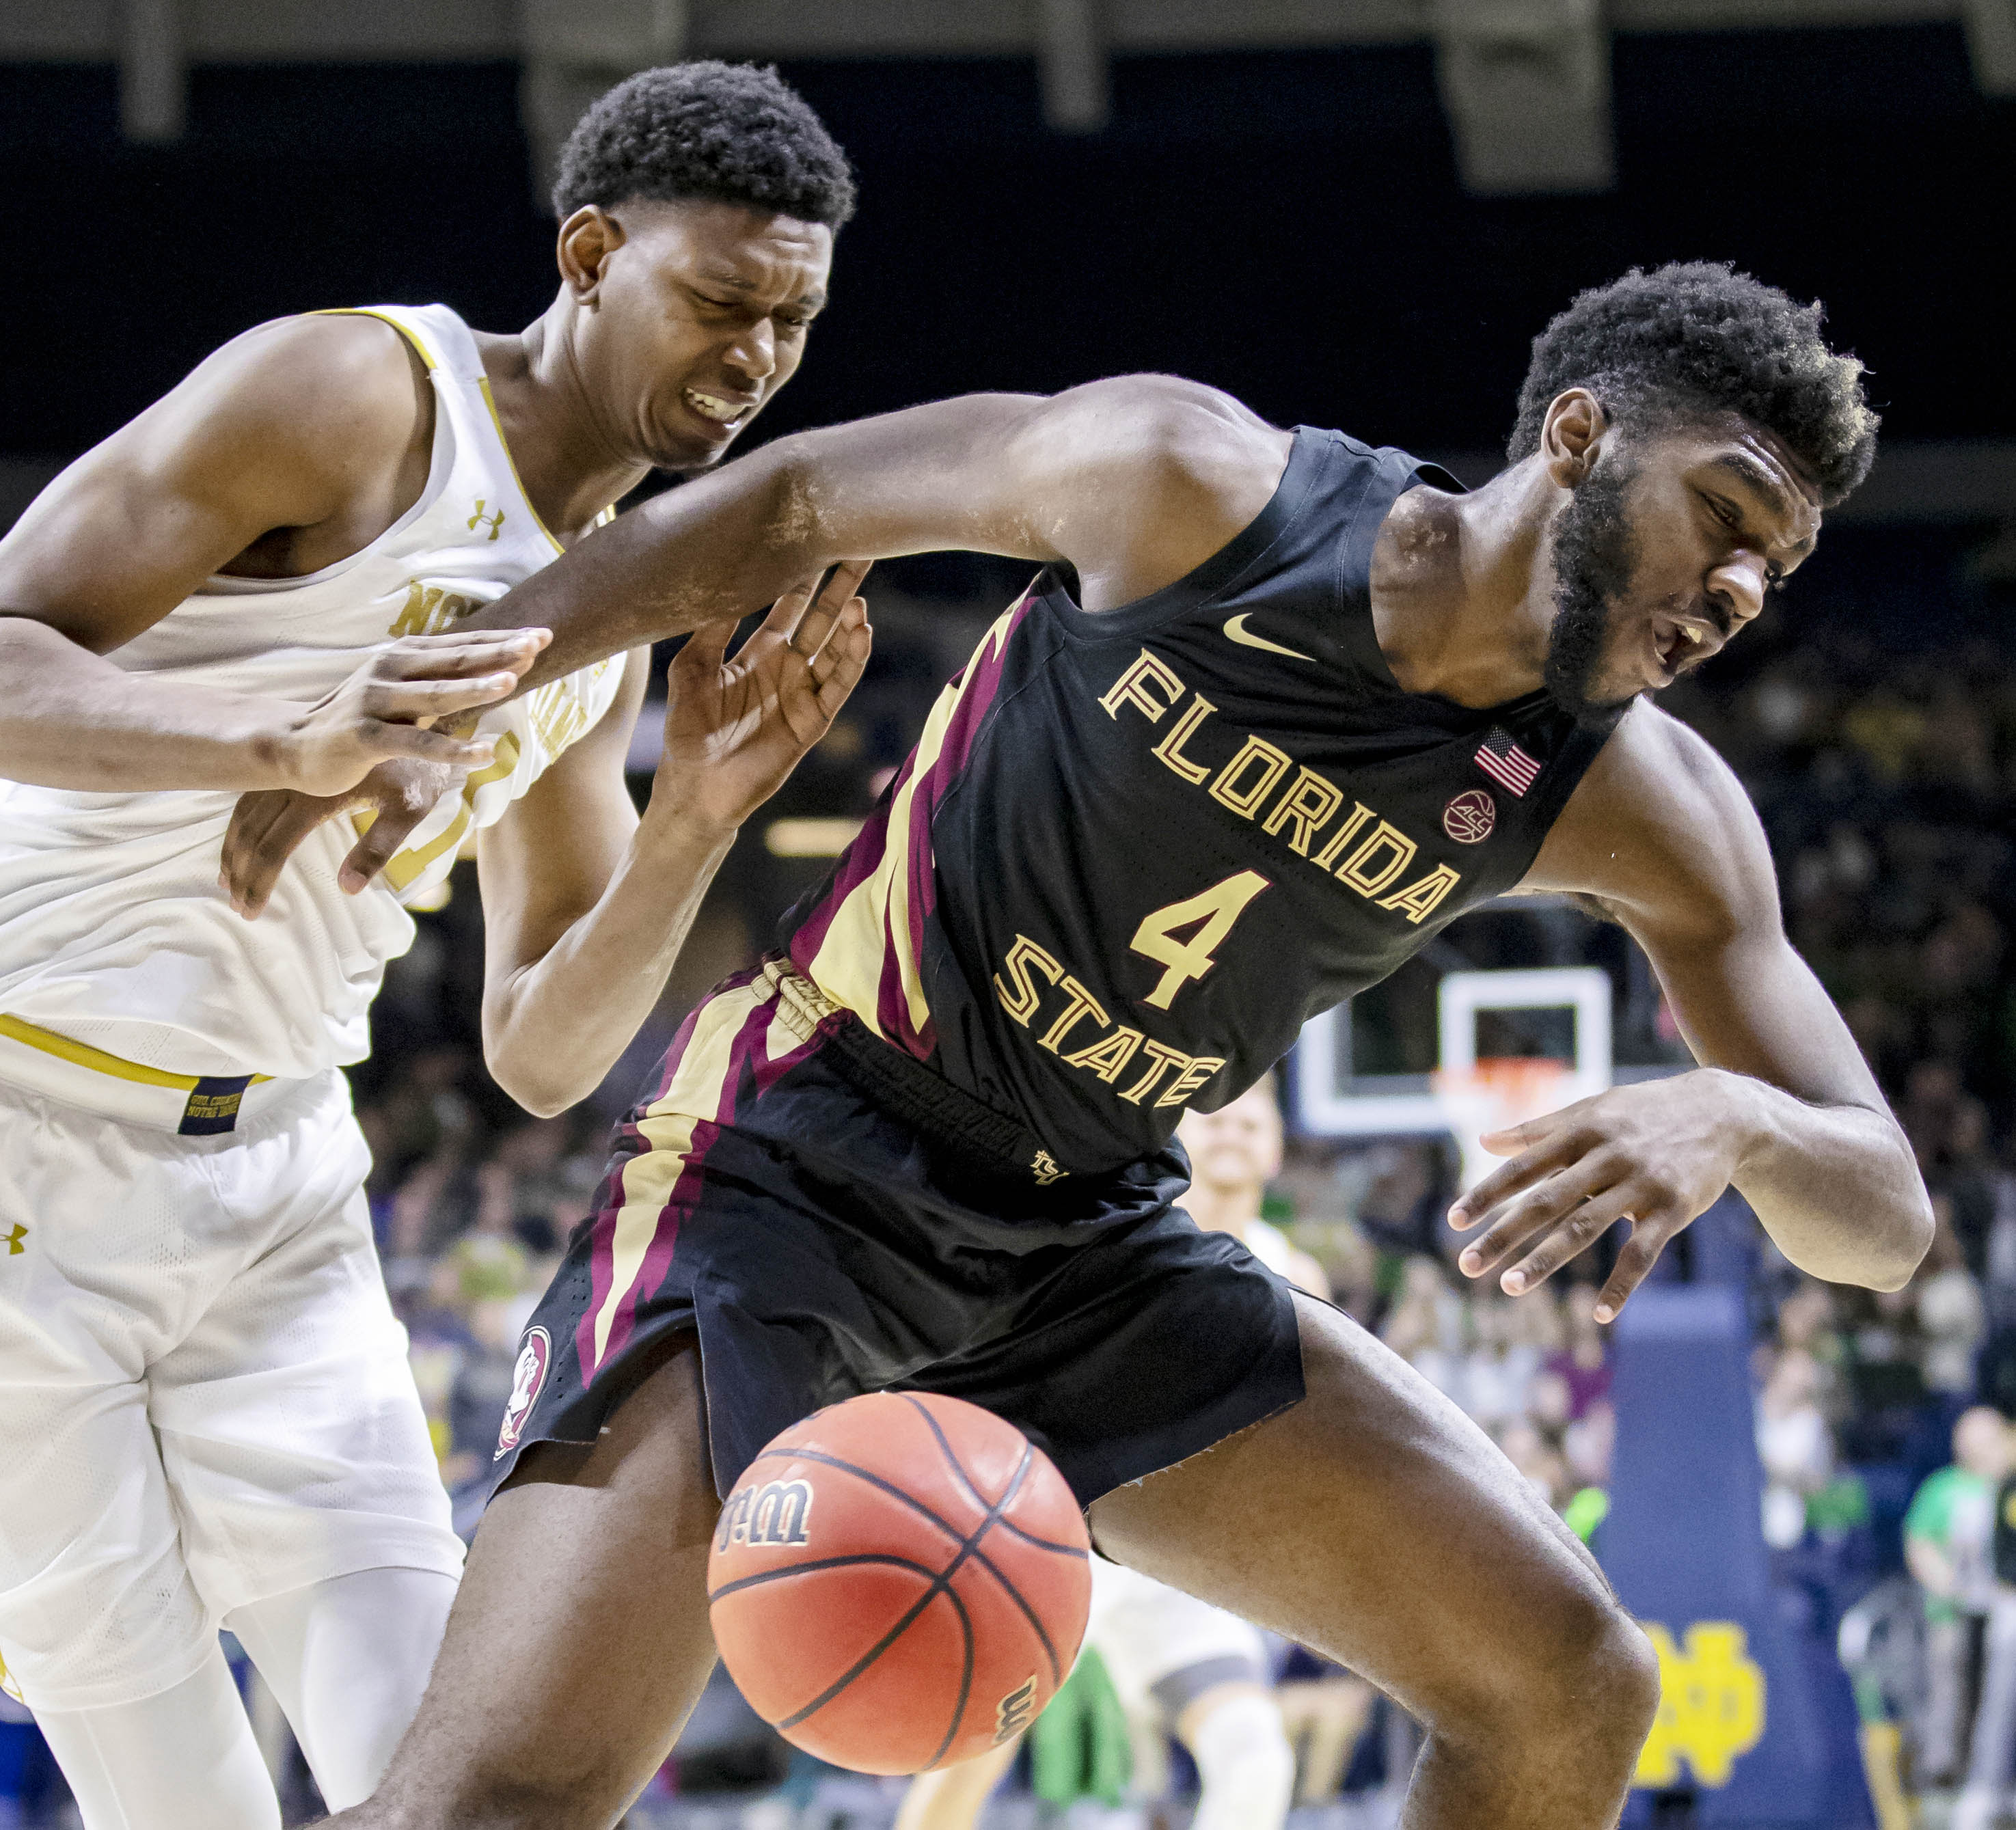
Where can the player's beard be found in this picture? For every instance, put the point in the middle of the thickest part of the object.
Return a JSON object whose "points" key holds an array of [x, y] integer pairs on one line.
{"points": [[1595, 554]]}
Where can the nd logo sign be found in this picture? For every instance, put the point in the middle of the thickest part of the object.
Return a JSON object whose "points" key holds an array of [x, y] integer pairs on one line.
{"points": [[1710, 1704]]}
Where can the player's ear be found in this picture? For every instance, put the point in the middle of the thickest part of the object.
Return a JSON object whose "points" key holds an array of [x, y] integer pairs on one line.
{"points": [[1571, 434], [587, 239]]}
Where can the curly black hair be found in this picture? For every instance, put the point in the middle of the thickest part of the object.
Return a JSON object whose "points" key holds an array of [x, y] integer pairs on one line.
{"points": [[729, 132], [1697, 336]]}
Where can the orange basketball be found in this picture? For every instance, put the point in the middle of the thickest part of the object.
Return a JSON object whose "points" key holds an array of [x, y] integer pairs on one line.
{"points": [[900, 1582]]}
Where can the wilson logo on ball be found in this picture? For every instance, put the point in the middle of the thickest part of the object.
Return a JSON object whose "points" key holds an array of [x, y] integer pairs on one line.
{"points": [[777, 1513], [1015, 1712]]}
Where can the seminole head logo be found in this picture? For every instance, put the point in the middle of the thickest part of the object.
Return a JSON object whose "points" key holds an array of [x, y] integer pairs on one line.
{"points": [[526, 1377]]}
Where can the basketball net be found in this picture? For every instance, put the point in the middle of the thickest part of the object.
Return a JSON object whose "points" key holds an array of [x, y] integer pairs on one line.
{"points": [[1491, 1094]]}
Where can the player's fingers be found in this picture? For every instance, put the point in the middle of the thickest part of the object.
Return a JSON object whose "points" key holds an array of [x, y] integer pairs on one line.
{"points": [[1511, 1226], [1639, 1253], [783, 617], [474, 651], [853, 619], [239, 875], [407, 701], [701, 656], [1531, 1133], [826, 610], [844, 661], [1571, 1235], [1539, 1159], [270, 836], [395, 741], [375, 849]]}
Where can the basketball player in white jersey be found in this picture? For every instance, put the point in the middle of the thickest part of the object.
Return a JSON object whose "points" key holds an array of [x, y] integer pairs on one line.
{"points": [[1179, 1664], [206, 1414]]}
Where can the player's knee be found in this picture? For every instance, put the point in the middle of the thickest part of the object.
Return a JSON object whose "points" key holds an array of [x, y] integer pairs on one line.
{"points": [[1584, 1688], [1639, 1683], [1245, 1766], [558, 1798], [1605, 1690]]}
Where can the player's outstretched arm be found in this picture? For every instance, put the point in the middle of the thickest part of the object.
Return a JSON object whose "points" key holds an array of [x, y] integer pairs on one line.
{"points": [[585, 906], [1784, 1106], [297, 425], [1134, 481]]}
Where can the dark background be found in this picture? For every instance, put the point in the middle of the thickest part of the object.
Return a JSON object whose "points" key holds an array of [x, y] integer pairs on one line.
{"points": [[1286, 225]]}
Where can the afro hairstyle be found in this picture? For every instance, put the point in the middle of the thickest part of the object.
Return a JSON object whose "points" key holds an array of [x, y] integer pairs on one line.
{"points": [[1697, 336], [727, 133]]}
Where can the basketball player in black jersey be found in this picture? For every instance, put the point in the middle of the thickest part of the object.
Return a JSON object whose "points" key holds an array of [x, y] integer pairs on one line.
{"points": [[1279, 708]]}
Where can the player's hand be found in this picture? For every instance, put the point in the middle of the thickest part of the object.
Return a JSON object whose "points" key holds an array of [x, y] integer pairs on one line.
{"points": [[734, 729], [385, 709], [267, 826], [1656, 1154]]}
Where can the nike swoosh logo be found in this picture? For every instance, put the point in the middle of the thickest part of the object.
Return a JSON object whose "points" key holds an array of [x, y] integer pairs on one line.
{"points": [[1236, 629]]}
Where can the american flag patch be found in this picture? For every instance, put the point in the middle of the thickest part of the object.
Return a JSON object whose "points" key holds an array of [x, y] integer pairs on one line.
{"points": [[1506, 763]]}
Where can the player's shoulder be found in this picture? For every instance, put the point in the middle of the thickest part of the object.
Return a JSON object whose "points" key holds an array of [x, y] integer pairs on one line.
{"points": [[1660, 818], [342, 364], [1167, 418], [316, 395], [1668, 767], [1657, 776]]}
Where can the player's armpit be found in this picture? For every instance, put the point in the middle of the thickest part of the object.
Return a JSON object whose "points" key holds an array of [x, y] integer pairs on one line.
{"points": [[1136, 482], [1784, 1107]]}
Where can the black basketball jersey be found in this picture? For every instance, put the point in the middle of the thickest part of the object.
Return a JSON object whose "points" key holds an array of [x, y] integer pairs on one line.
{"points": [[1134, 851]]}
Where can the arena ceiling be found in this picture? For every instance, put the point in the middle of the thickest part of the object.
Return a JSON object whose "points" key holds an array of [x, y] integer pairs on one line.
{"points": [[1525, 83]]}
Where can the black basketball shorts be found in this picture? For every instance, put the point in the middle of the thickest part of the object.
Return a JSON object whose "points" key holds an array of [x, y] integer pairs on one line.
{"points": [[830, 1217]]}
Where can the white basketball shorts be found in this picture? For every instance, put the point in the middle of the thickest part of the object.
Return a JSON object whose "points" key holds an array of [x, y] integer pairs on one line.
{"points": [[1161, 1647], [204, 1394]]}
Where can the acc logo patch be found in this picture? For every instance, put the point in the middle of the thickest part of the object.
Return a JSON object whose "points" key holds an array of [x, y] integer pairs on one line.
{"points": [[1710, 1704], [1469, 818], [526, 1377], [1015, 1711], [774, 1515]]}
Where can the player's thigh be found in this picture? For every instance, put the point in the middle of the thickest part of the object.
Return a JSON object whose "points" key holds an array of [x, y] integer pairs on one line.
{"points": [[96, 1606], [579, 1641], [289, 1424], [1376, 1524]]}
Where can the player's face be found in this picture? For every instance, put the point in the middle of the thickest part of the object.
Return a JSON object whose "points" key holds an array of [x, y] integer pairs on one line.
{"points": [[701, 315], [1236, 1146], [1666, 549]]}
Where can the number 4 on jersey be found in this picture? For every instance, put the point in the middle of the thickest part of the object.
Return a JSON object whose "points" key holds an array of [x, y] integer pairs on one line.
{"points": [[1211, 914]]}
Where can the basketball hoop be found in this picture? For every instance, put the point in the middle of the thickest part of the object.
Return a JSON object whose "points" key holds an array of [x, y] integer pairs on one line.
{"points": [[1494, 1094]]}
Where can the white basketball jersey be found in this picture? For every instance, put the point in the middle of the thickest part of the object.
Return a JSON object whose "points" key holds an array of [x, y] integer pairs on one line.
{"points": [[1270, 1245], [113, 929]]}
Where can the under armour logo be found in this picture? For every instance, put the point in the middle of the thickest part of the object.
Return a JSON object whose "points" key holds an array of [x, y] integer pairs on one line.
{"points": [[15, 1248], [494, 523], [1046, 1169]]}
